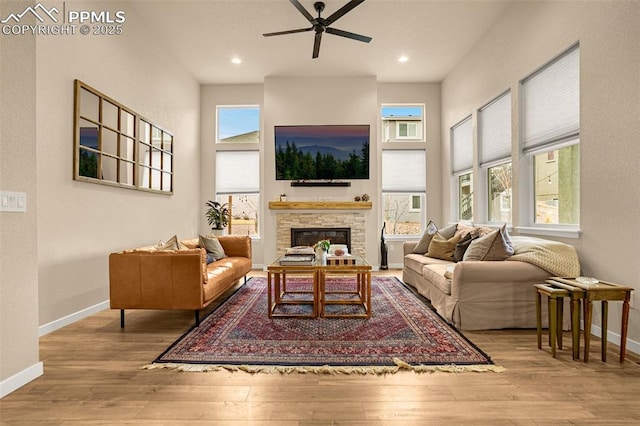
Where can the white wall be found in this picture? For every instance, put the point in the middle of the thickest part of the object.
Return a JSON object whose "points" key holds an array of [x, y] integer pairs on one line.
{"points": [[19, 358], [527, 36], [80, 223]]}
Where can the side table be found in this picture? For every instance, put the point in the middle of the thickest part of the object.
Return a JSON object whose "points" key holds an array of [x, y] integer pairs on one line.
{"points": [[556, 292], [604, 292]]}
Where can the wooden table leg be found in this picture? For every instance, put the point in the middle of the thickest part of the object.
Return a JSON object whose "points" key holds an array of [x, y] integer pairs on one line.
{"points": [[575, 327], [605, 317], [624, 327], [588, 313], [539, 318], [553, 326], [559, 320]]}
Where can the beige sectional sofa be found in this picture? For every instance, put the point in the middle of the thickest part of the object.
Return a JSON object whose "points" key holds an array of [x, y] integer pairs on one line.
{"points": [[489, 294], [181, 278]]}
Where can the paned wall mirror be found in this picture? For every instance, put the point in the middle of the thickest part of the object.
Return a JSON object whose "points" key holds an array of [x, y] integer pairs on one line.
{"points": [[114, 145]]}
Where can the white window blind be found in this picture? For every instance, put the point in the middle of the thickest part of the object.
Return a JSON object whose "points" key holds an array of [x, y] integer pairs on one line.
{"points": [[404, 171], [551, 102], [237, 172], [494, 123], [462, 146]]}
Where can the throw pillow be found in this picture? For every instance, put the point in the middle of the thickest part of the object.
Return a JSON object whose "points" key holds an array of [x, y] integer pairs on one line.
{"points": [[462, 247], [494, 246], [212, 245], [172, 244], [442, 248], [423, 245]]}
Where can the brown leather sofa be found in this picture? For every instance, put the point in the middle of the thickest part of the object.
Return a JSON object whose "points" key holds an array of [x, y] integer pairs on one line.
{"points": [[147, 278]]}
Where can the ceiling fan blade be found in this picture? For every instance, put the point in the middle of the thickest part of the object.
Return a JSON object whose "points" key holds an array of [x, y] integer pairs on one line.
{"points": [[304, 11], [340, 12], [316, 45], [347, 34], [301, 30]]}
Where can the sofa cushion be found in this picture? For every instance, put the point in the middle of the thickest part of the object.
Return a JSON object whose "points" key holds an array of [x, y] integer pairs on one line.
{"points": [[442, 248], [462, 246], [435, 274], [493, 246], [416, 262]]}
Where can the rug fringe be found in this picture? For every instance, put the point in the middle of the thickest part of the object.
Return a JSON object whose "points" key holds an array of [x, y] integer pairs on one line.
{"points": [[327, 369]]}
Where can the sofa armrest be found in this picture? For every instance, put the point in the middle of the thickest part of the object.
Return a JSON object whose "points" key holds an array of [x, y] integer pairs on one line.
{"points": [[408, 247], [156, 279], [236, 245]]}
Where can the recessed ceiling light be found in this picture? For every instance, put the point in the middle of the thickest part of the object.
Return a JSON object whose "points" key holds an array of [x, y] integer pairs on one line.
{"points": [[236, 60], [403, 59]]}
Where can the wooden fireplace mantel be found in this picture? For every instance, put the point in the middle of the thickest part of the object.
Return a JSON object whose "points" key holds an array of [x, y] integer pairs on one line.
{"points": [[320, 205]]}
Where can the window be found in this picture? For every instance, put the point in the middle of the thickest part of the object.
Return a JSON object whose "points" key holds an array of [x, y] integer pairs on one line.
{"points": [[115, 146], [461, 165], [238, 124], [403, 123], [403, 191], [494, 147], [550, 139], [238, 183]]}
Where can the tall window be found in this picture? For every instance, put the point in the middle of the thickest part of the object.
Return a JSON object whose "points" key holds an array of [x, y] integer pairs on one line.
{"points": [[494, 146], [551, 137], [403, 191], [403, 123], [238, 183], [238, 124], [461, 167]]}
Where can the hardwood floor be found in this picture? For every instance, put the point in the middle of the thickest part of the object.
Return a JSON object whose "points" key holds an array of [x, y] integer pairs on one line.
{"points": [[93, 377]]}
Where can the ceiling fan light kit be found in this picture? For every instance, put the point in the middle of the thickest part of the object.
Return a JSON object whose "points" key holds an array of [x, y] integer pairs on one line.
{"points": [[321, 25]]}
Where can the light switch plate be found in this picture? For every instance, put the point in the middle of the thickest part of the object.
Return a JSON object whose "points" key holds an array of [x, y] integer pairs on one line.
{"points": [[13, 202]]}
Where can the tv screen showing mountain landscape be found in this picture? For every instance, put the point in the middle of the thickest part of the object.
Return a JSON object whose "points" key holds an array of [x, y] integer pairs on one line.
{"points": [[322, 152]]}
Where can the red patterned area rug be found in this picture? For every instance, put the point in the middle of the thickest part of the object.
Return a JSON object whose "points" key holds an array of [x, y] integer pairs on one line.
{"points": [[402, 333]]}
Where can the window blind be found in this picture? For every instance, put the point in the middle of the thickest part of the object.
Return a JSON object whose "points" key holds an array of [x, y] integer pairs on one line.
{"points": [[461, 146], [494, 124], [404, 171], [551, 102], [237, 172]]}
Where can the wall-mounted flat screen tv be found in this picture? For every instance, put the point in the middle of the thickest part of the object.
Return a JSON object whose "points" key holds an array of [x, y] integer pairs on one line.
{"points": [[322, 152]]}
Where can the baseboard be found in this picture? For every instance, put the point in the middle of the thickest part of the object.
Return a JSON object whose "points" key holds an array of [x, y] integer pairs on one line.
{"points": [[20, 379], [69, 319], [615, 338]]}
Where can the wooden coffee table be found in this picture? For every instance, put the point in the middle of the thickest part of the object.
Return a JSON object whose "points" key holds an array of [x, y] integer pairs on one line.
{"points": [[320, 294]]}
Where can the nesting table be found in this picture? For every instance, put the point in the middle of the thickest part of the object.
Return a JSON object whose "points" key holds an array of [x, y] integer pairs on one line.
{"points": [[282, 297], [603, 291]]}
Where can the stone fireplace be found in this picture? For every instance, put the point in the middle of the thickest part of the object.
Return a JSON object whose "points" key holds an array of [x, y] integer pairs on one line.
{"points": [[353, 221]]}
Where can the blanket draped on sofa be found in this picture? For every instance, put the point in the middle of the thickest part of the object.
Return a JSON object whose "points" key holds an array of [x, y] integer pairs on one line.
{"points": [[557, 258]]}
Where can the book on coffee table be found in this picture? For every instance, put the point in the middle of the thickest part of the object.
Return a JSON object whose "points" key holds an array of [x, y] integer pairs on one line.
{"points": [[300, 251], [297, 260]]}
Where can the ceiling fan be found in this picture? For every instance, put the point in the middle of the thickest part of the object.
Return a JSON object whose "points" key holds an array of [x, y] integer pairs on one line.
{"points": [[321, 25]]}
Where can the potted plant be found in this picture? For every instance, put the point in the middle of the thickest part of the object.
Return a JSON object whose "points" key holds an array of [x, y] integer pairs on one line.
{"points": [[217, 214], [322, 249]]}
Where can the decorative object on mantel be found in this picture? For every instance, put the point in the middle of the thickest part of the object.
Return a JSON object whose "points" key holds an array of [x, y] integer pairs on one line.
{"points": [[363, 197], [322, 249], [283, 197], [217, 215]]}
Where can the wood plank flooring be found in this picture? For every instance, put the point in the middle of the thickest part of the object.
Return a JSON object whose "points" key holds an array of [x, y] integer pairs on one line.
{"points": [[93, 377]]}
